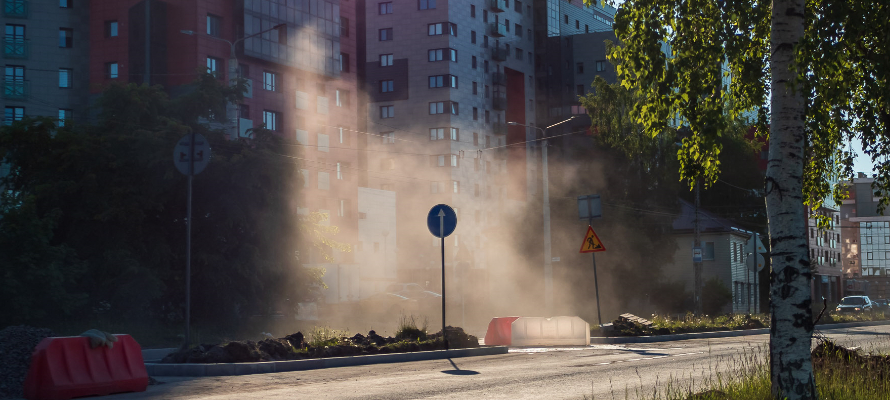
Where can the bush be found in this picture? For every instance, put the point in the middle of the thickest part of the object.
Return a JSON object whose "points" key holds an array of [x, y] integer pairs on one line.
{"points": [[715, 295]]}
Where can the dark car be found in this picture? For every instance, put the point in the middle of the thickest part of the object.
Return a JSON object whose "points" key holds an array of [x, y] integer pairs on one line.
{"points": [[882, 304], [855, 304]]}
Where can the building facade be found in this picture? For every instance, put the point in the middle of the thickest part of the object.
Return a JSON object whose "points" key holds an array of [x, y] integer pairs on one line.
{"points": [[46, 59]]}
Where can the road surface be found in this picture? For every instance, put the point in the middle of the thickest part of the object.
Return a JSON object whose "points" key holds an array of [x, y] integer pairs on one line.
{"points": [[598, 371]]}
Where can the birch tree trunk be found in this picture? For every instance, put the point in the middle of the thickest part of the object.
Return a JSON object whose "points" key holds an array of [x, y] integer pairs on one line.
{"points": [[791, 366]]}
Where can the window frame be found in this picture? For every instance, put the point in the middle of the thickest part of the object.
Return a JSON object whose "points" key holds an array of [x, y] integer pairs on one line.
{"points": [[384, 35], [66, 38], [386, 60], [387, 111], [387, 86], [426, 4], [112, 28], [273, 117], [270, 81], [69, 78], [384, 8]]}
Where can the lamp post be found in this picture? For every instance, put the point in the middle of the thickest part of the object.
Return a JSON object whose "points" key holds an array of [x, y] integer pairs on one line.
{"points": [[232, 108], [548, 266]]}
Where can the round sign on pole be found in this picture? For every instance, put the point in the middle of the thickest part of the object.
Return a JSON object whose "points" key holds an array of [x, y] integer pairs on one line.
{"points": [[182, 154], [441, 216]]}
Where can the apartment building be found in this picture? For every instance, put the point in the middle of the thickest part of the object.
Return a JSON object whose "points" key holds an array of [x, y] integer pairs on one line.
{"points": [[443, 78], [45, 56]]}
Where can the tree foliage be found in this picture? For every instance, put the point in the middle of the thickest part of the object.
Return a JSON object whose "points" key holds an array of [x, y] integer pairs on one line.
{"points": [[93, 220]]}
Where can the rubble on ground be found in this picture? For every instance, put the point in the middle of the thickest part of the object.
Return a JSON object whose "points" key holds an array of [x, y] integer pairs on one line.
{"points": [[294, 347], [17, 344]]}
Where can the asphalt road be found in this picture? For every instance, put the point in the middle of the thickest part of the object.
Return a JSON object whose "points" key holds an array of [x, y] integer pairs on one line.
{"points": [[599, 372]]}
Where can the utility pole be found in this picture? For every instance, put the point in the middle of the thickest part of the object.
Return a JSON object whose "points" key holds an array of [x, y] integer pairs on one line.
{"points": [[697, 265], [545, 182]]}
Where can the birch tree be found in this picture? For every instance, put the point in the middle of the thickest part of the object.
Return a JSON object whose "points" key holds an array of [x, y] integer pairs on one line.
{"points": [[812, 75]]}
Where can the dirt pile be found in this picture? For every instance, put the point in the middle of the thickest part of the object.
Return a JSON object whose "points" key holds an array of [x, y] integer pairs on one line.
{"points": [[294, 347], [17, 343]]}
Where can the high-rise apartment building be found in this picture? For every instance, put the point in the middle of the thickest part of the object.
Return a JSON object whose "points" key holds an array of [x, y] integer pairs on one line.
{"points": [[45, 59], [443, 79]]}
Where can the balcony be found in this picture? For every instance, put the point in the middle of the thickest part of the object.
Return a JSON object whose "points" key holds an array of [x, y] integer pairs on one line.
{"points": [[15, 8], [497, 6], [16, 47], [16, 90], [499, 79], [499, 128], [497, 30], [499, 100], [499, 53]]}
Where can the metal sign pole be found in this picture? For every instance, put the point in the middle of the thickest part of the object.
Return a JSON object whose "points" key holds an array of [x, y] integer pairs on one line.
{"points": [[188, 244], [442, 245], [596, 287]]}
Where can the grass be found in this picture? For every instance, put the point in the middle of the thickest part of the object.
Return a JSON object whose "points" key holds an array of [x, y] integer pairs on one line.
{"points": [[663, 324], [840, 374], [408, 329], [321, 336]]}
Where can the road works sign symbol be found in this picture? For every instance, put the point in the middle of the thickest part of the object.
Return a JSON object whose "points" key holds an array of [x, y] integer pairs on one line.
{"points": [[591, 242]]}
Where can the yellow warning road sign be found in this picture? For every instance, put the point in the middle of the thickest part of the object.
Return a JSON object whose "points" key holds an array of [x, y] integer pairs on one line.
{"points": [[591, 242]]}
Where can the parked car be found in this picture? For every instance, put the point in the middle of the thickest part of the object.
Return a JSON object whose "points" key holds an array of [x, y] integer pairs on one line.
{"points": [[882, 304], [409, 290], [855, 304]]}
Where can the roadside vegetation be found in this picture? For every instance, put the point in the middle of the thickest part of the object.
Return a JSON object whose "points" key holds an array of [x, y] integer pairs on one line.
{"points": [[840, 373], [691, 323]]}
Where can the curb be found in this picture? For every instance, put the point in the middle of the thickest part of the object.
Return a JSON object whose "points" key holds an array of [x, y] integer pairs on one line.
{"points": [[230, 369], [718, 334]]}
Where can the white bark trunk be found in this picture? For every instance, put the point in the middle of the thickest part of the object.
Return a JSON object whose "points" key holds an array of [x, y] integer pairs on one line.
{"points": [[791, 331]]}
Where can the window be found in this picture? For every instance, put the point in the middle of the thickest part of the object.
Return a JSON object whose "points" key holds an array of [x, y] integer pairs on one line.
{"points": [[244, 111], [434, 187], [580, 67], [472, 11], [473, 37], [440, 27], [65, 77], [213, 65], [577, 24], [507, 25], [324, 143], [441, 107], [111, 29], [324, 181], [213, 25], [485, 65], [484, 15], [66, 37], [474, 62], [64, 3], [269, 80], [385, 34], [270, 120], [600, 65], [426, 4], [708, 251], [487, 116], [475, 114], [517, 6], [386, 60], [518, 30], [438, 81], [565, 18], [580, 90], [437, 133], [386, 86], [344, 27], [387, 111], [344, 62], [384, 8], [475, 139], [12, 113], [341, 98], [475, 88], [869, 256], [519, 53], [243, 70], [455, 185], [388, 137], [111, 70], [586, 28], [441, 54], [64, 116], [340, 167], [455, 134]]}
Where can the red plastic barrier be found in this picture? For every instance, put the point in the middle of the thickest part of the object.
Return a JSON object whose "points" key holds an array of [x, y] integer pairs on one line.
{"points": [[499, 332], [66, 367]]}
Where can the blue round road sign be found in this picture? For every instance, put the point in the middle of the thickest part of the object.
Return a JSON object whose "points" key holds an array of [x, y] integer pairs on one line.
{"points": [[441, 216]]}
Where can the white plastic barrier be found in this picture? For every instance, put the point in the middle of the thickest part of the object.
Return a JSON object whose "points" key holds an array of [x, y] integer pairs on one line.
{"points": [[554, 331]]}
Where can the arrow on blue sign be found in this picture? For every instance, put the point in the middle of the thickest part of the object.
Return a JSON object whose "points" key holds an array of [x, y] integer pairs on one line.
{"points": [[441, 221]]}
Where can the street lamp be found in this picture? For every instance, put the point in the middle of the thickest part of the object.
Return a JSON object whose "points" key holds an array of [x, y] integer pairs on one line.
{"points": [[232, 109], [548, 266]]}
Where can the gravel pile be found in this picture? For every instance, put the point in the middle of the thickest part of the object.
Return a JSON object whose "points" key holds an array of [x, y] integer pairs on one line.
{"points": [[16, 345]]}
